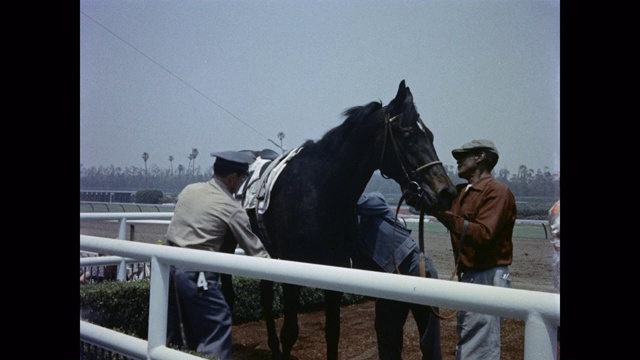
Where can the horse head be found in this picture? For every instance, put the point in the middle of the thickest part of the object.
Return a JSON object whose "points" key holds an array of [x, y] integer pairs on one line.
{"points": [[409, 157]]}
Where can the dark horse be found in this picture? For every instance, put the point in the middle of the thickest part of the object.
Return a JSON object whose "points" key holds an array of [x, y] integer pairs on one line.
{"points": [[311, 214]]}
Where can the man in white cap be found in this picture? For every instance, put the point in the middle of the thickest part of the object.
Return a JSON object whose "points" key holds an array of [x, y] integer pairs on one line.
{"points": [[207, 217], [480, 224]]}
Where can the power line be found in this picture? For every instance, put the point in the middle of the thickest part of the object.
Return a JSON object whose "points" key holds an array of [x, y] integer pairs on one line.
{"points": [[182, 81]]}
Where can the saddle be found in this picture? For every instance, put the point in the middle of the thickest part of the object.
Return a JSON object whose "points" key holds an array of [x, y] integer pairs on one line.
{"points": [[257, 193]]}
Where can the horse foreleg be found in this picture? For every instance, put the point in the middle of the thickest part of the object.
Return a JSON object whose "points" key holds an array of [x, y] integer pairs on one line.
{"points": [[290, 328], [266, 300], [332, 322]]}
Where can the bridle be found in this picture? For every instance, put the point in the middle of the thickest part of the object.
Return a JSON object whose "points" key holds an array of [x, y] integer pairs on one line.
{"points": [[414, 186]]}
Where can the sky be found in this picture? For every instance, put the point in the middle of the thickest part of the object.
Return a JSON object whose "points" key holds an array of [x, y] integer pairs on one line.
{"points": [[166, 76]]}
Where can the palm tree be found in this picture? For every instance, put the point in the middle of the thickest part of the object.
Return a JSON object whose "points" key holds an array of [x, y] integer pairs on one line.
{"points": [[189, 164], [180, 169], [281, 136], [171, 163], [145, 157], [194, 155]]}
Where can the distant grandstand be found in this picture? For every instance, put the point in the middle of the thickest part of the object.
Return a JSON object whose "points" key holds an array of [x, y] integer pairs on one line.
{"points": [[108, 196]]}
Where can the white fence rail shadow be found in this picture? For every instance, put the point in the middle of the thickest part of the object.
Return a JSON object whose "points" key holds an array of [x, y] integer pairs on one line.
{"points": [[539, 310]]}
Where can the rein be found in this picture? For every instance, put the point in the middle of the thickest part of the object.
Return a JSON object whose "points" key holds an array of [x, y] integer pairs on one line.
{"points": [[422, 264]]}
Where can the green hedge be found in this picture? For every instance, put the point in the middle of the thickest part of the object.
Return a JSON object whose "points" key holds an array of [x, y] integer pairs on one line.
{"points": [[120, 306], [124, 306], [149, 196], [534, 210]]}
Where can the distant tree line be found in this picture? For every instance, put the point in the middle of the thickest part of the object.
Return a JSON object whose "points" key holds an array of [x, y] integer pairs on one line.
{"points": [[524, 183], [134, 178]]}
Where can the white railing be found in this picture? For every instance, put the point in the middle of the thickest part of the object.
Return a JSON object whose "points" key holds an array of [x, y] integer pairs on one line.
{"points": [[539, 310], [127, 217]]}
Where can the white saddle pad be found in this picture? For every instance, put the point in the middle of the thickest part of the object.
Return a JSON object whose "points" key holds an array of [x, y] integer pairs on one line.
{"points": [[258, 188]]}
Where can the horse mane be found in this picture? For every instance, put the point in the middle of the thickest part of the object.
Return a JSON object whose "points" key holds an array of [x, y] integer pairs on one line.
{"points": [[362, 111], [354, 117]]}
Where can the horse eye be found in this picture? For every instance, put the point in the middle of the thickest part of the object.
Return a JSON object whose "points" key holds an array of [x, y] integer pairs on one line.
{"points": [[406, 135]]}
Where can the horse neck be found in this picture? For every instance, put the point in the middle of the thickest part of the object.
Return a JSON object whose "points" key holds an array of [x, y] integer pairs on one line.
{"points": [[351, 161]]}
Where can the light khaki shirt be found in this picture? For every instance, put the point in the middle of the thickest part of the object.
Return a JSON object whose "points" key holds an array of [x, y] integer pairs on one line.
{"points": [[207, 217]]}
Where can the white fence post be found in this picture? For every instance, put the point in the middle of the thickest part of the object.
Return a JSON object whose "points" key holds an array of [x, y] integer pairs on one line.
{"points": [[158, 304], [122, 231]]}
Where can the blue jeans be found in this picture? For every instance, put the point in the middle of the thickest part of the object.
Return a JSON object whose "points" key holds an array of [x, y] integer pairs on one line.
{"points": [[479, 334]]}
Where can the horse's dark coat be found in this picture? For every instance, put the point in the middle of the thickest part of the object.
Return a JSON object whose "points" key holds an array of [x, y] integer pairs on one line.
{"points": [[311, 215]]}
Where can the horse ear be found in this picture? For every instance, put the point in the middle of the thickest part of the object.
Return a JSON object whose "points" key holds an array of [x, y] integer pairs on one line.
{"points": [[407, 96], [401, 91], [396, 104]]}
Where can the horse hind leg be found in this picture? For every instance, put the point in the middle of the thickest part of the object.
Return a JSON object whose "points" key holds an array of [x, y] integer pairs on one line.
{"points": [[290, 328], [332, 301], [266, 301]]}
